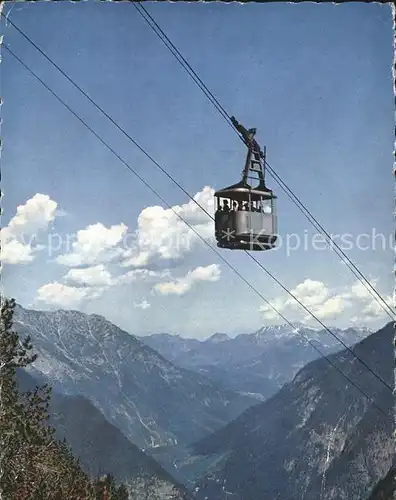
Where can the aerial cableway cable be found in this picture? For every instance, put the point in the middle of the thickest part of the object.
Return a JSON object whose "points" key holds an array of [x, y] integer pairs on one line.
{"points": [[179, 57], [192, 198], [207, 213], [358, 274], [124, 162], [294, 198]]}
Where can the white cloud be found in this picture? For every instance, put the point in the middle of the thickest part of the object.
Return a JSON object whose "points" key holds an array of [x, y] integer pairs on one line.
{"points": [[360, 290], [91, 283], [161, 234], [141, 305], [15, 252], [269, 313], [60, 295], [372, 310], [145, 275], [173, 287], [34, 215], [207, 273], [327, 304], [371, 307], [331, 307], [61, 213], [319, 299], [141, 259], [90, 276], [311, 293], [183, 285], [17, 238], [94, 244]]}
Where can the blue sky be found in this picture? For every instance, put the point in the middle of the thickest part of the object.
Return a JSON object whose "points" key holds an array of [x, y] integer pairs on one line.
{"points": [[314, 79]]}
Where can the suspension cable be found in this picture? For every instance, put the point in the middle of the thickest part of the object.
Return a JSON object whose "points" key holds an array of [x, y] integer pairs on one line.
{"points": [[294, 198], [202, 239], [225, 115]]}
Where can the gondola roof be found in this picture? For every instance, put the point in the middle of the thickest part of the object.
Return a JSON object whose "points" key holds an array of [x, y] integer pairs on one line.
{"points": [[241, 191]]}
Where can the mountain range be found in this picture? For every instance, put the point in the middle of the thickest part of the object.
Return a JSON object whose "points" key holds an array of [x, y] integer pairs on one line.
{"points": [[152, 401], [318, 438], [314, 436], [257, 364]]}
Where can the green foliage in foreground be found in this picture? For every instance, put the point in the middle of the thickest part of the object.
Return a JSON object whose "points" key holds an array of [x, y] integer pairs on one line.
{"points": [[34, 465]]}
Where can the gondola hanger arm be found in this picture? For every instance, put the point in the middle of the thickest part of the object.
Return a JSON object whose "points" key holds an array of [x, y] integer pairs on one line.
{"points": [[248, 136]]}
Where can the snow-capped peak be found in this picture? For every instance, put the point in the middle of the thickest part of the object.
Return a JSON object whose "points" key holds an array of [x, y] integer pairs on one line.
{"points": [[218, 337]]}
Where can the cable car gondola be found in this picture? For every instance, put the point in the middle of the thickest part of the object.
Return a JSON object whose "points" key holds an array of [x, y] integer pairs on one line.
{"points": [[245, 217]]}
